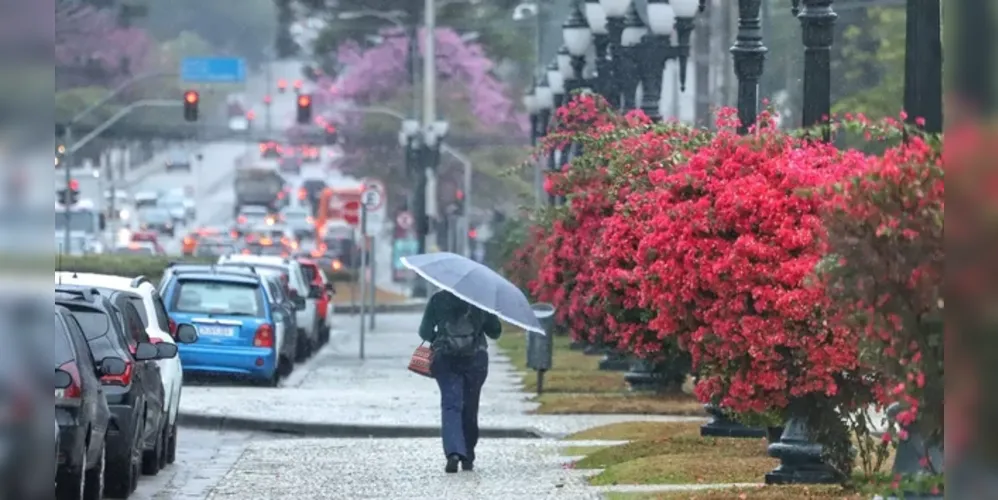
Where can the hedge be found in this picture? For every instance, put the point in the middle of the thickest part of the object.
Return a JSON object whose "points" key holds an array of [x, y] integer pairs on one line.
{"points": [[149, 266]]}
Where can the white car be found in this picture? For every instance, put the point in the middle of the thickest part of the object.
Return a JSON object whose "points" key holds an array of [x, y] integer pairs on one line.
{"points": [[159, 327], [307, 318]]}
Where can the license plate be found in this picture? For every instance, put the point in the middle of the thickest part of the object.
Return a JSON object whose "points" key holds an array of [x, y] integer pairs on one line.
{"points": [[217, 331]]}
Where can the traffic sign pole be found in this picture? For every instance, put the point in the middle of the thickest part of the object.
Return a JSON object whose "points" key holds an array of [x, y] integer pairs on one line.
{"points": [[373, 281], [363, 278]]}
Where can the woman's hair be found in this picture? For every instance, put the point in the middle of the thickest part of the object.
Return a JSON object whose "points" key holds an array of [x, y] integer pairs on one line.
{"points": [[452, 305]]}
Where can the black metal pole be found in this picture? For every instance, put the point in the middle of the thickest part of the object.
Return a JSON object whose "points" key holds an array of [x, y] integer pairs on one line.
{"points": [[749, 54], [615, 59], [973, 53], [655, 51], [418, 152], [601, 83], [817, 21], [923, 64]]}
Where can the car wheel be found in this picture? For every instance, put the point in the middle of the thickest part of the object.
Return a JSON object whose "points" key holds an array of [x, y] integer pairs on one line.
{"points": [[71, 484], [93, 489], [287, 365], [272, 381], [171, 445], [151, 458], [164, 439], [301, 346]]}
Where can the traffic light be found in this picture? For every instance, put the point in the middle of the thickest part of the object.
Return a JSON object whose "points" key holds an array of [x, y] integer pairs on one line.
{"points": [[191, 101], [250, 115], [282, 85], [61, 196], [298, 85], [330, 135], [304, 109], [459, 196]]}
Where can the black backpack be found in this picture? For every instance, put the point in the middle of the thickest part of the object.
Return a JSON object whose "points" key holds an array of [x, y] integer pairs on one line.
{"points": [[458, 336]]}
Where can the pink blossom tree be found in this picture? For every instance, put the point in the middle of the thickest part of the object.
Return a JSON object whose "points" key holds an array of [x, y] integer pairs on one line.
{"points": [[91, 49]]}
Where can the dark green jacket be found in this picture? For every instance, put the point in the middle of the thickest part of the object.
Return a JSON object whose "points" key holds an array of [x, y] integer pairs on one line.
{"points": [[444, 305]]}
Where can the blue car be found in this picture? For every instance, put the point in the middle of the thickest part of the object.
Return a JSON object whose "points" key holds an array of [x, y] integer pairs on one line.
{"points": [[235, 324]]}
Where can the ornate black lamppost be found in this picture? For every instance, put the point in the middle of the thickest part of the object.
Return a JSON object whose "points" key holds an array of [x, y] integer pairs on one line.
{"points": [[923, 64], [614, 12], [597, 21], [578, 37], [557, 84], [657, 48], [817, 21], [630, 60], [749, 54], [801, 459]]}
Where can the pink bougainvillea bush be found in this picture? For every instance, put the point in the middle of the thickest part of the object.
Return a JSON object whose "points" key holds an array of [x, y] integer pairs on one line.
{"points": [[87, 37]]}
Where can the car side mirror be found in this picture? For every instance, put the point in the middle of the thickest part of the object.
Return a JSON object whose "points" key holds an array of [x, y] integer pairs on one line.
{"points": [[314, 292], [145, 351], [62, 379], [165, 350], [114, 366], [330, 287], [299, 302], [187, 334]]}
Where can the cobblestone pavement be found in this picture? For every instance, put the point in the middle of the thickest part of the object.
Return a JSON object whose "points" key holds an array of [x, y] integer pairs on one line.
{"points": [[337, 387], [203, 459], [389, 469]]}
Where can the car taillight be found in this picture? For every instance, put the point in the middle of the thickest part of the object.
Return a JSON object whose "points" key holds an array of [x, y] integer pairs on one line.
{"points": [[155, 340], [285, 255], [281, 195], [264, 336], [188, 241], [124, 380], [246, 251], [263, 148], [337, 265], [241, 219], [74, 391], [302, 194], [173, 327]]}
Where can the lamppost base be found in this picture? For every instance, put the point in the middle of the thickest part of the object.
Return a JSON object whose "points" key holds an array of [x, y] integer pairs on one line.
{"points": [[800, 458], [614, 362], [578, 345], [722, 426]]}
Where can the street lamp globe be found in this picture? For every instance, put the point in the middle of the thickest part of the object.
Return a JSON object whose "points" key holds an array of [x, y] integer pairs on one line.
{"points": [[564, 61], [555, 80], [576, 33], [685, 9], [596, 17], [634, 28], [410, 127], [615, 8], [544, 94], [661, 17]]}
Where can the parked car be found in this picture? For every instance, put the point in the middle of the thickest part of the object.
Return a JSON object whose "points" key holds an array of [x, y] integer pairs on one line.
{"points": [[298, 285], [234, 321], [160, 329], [81, 411], [285, 324], [317, 277], [135, 398], [279, 293]]}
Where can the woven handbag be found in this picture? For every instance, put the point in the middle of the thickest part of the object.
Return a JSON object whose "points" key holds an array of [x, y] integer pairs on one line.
{"points": [[421, 360]]}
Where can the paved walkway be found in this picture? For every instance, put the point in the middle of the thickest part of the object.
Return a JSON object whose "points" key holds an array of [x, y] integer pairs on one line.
{"points": [[336, 387]]}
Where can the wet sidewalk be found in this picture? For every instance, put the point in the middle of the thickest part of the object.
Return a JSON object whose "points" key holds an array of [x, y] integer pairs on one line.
{"points": [[336, 394]]}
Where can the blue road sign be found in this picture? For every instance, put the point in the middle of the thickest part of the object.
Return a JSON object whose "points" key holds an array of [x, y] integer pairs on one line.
{"points": [[213, 70]]}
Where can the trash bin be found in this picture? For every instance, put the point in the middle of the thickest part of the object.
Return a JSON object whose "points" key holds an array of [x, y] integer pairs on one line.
{"points": [[539, 346]]}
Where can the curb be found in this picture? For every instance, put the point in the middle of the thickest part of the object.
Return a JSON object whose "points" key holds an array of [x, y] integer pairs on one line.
{"points": [[334, 430], [411, 307]]}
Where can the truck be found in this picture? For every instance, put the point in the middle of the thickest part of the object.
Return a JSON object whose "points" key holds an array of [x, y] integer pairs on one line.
{"points": [[262, 185], [86, 225]]}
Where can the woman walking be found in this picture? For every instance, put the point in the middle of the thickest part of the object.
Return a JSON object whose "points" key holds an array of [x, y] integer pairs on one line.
{"points": [[456, 331]]}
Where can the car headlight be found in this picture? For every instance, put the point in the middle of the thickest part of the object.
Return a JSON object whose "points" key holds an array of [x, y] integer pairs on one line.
{"points": [[124, 214]]}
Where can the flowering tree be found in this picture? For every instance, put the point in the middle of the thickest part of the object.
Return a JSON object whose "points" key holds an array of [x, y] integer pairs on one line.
{"points": [[90, 48]]}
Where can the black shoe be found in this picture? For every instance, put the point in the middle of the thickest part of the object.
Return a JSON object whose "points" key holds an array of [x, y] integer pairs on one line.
{"points": [[467, 465], [452, 463]]}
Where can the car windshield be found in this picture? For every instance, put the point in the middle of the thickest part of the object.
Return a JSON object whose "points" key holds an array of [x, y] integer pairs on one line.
{"points": [[94, 323], [179, 157], [63, 348], [257, 249], [218, 297], [214, 249]]}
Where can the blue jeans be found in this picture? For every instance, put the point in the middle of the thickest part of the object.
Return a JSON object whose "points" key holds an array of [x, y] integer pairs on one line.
{"points": [[460, 381]]}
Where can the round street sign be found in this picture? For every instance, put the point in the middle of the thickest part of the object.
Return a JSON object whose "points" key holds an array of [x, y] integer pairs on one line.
{"points": [[404, 220], [372, 199]]}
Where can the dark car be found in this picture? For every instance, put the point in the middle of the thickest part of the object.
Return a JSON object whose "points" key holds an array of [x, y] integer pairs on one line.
{"points": [[135, 397], [131, 307], [81, 410], [290, 165], [157, 219], [282, 301]]}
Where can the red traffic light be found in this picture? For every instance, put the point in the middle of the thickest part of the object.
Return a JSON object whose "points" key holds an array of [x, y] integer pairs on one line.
{"points": [[266, 99], [459, 195], [298, 84], [473, 234], [191, 96], [250, 115], [74, 185], [304, 101], [282, 84]]}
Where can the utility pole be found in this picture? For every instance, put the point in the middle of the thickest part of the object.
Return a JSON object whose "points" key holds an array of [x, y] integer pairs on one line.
{"points": [[430, 113]]}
